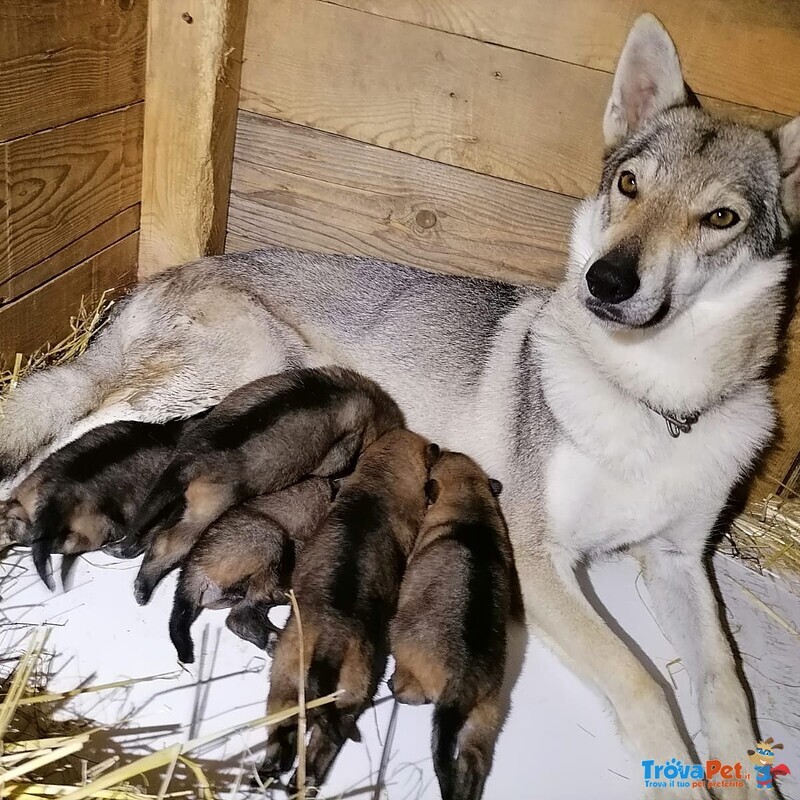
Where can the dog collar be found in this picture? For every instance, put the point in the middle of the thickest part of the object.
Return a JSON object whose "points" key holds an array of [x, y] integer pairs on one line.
{"points": [[677, 425]]}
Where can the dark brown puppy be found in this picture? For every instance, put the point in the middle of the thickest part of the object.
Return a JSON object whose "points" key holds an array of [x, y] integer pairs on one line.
{"points": [[245, 560], [448, 637], [347, 581], [262, 438], [84, 496]]}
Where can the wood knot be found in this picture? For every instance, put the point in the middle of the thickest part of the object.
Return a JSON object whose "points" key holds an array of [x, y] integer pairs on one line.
{"points": [[187, 18], [126, 5], [425, 219]]}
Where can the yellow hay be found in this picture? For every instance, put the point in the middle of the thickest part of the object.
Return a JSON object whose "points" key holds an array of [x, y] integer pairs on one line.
{"points": [[767, 536], [84, 325], [29, 767]]}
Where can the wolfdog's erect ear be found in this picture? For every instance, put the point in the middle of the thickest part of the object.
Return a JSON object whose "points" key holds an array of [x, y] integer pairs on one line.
{"points": [[788, 140], [648, 80]]}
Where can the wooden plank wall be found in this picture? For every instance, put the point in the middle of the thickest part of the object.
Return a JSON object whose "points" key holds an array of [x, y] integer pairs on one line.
{"points": [[459, 135], [72, 77]]}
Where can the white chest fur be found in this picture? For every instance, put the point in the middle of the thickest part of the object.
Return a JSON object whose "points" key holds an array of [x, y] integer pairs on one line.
{"points": [[622, 479]]}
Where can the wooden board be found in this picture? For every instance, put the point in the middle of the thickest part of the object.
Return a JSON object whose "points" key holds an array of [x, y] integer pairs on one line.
{"points": [[57, 185], [746, 51], [446, 98], [300, 188], [105, 234], [193, 68], [779, 471], [66, 59], [44, 314]]}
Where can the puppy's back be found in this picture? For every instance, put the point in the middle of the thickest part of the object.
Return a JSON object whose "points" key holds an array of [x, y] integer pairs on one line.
{"points": [[298, 509], [255, 407], [457, 593]]}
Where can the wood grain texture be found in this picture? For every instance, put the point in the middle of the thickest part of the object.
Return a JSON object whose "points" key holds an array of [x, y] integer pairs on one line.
{"points": [[57, 185], [301, 188], [105, 234], [745, 51], [445, 98], [44, 314], [69, 59], [778, 473], [193, 69]]}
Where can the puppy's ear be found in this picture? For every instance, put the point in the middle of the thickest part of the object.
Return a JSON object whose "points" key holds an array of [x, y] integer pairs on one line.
{"points": [[787, 139], [432, 490], [776, 747], [648, 79], [432, 453], [495, 487]]}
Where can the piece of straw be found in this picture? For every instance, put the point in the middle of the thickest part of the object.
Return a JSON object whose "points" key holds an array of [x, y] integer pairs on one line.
{"points": [[301, 702]]}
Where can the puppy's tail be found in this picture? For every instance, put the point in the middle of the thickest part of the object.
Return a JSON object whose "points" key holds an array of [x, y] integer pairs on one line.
{"points": [[165, 503], [473, 733], [184, 612]]}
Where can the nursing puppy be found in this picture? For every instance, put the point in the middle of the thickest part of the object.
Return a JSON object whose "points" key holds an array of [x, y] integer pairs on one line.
{"points": [[260, 439], [84, 496], [245, 560], [347, 581], [449, 634]]}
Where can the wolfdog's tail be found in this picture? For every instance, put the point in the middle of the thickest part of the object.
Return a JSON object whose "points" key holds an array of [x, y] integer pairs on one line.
{"points": [[46, 404]]}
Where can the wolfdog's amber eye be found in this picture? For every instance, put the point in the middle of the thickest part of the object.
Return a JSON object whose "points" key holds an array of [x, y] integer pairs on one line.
{"points": [[627, 184], [721, 218]]}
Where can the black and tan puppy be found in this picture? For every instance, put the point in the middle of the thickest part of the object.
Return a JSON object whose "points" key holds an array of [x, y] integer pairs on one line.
{"points": [[262, 438], [245, 560], [448, 637], [84, 496], [347, 580]]}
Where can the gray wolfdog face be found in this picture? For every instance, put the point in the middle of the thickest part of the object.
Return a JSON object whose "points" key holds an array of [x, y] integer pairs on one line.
{"points": [[687, 203]]}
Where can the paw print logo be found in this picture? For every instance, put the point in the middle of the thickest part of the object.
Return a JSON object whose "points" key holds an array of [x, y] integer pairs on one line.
{"points": [[763, 761]]}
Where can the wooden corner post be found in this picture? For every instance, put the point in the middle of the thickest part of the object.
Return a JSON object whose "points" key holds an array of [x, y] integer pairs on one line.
{"points": [[194, 59]]}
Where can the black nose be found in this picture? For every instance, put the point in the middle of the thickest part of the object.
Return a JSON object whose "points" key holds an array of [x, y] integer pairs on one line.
{"points": [[613, 279]]}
